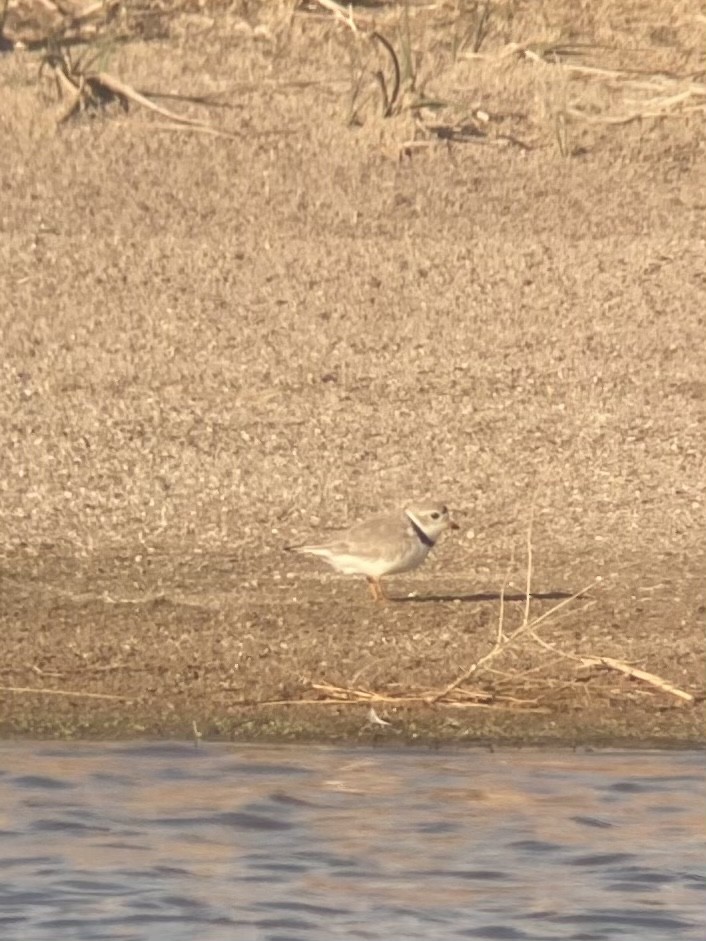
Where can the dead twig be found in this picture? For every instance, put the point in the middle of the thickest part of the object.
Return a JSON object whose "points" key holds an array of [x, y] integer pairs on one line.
{"points": [[651, 678]]}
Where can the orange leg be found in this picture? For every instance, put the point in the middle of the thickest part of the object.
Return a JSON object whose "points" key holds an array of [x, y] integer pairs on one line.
{"points": [[376, 589]]}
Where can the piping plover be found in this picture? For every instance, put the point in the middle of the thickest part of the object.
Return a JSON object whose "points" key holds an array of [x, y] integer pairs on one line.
{"points": [[384, 544]]}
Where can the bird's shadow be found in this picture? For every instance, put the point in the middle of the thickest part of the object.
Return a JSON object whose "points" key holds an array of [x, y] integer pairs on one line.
{"points": [[484, 596]]}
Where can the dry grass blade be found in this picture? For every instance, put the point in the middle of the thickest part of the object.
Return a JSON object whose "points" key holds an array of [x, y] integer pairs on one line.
{"points": [[62, 692], [357, 698], [496, 706], [84, 89], [463, 698], [356, 694], [638, 115], [342, 15], [290, 702], [389, 101], [554, 52], [528, 579], [122, 90], [651, 678], [196, 128]]}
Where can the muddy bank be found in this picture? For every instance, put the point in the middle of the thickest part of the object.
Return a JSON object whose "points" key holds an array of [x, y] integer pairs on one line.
{"points": [[228, 648]]}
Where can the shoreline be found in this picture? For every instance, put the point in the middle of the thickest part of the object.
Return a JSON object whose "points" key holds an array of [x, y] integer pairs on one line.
{"points": [[98, 648], [676, 728]]}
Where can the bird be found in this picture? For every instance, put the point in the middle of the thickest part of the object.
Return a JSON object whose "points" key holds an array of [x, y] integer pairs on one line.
{"points": [[384, 544]]}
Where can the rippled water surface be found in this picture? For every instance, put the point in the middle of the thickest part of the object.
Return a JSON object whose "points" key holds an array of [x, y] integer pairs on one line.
{"points": [[171, 842]]}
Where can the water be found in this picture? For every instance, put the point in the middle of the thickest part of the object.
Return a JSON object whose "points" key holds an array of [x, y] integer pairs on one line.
{"points": [[229, 843]]}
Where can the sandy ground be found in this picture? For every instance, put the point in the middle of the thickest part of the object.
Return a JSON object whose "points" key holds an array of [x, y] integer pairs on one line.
{"points": [[214, 346]]}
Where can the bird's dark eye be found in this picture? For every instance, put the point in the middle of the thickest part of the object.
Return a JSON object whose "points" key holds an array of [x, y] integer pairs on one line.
{"points": [[435, 515]]}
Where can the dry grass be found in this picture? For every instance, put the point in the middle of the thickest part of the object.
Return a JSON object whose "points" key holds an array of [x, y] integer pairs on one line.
{"points": [[536, 76]]}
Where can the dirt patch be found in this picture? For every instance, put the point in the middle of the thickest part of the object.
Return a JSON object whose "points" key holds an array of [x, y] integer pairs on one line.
{"points": [[216, 346]]}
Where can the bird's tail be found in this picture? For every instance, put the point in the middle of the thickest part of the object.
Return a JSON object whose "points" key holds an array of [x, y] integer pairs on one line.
{"points": [[311, 550]]}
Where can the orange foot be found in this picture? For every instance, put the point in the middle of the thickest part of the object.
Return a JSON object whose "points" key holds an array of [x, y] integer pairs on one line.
{"points": [[376, 589]]}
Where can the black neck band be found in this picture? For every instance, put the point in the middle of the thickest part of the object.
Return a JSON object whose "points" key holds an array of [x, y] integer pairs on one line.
{"points": [[422, 536]]}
